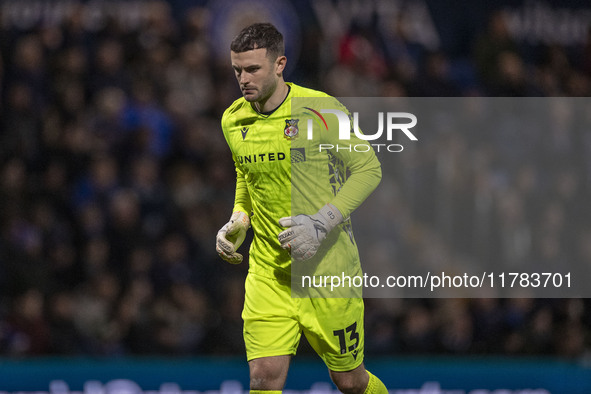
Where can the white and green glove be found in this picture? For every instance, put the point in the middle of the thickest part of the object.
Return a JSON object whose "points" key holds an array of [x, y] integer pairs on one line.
{"points": [[231, 236], [304, 233]]}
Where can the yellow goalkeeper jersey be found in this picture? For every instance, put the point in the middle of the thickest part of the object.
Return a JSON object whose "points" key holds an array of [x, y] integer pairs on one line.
{"points": [[284, 168]]}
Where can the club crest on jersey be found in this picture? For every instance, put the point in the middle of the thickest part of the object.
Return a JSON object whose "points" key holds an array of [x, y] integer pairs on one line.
{"points": [[291, 130]]}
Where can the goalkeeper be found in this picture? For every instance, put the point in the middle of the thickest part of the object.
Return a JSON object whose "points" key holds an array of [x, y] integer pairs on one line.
{"points": [[297, 199]]}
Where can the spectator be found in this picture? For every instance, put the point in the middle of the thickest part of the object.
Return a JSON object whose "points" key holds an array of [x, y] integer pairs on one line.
{"points": [[29, 331], [489, 48]]}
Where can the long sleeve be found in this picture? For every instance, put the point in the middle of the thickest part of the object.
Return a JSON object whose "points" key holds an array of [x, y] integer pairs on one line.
{"points": [[357, 165], [365, 175], [242, 200]]}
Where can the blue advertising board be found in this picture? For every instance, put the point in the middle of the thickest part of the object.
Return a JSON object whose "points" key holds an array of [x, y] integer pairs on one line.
{"points": [[183, 376]]}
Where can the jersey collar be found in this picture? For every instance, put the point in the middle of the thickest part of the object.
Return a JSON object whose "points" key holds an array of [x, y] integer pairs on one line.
{"points": [[268, 113]]}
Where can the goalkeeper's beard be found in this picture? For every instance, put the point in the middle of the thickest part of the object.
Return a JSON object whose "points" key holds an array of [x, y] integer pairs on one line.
{"points": [[261, 94]]}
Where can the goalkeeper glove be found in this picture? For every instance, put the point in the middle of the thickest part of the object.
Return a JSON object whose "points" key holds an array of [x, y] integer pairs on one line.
{"points": [[305, 233], [231, 236]]}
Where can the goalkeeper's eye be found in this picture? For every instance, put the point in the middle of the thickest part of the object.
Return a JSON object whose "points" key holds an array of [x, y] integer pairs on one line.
{"points": [[252, 69]]}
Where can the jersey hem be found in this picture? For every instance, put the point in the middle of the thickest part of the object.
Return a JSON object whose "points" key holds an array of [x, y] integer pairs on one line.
{"points": [[271, 353], [347, 368]]}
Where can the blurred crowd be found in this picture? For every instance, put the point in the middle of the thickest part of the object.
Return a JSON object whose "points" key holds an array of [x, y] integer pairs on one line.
{"points": [[115, 177]]}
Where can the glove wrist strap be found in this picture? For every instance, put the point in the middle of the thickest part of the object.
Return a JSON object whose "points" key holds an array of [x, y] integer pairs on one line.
{"points": [[331, 215], [242, 218]]}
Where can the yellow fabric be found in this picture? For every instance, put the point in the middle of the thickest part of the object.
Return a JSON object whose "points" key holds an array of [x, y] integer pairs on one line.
{"points": [[375, 385], [280, 173], [265, 391], [274, 323]]}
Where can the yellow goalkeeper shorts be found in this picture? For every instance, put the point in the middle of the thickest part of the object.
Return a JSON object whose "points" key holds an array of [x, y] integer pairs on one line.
{"points": [[274, 322]]}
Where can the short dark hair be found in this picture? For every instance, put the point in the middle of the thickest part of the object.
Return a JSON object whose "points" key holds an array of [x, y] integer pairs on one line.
{"points": [[259, 35]]}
